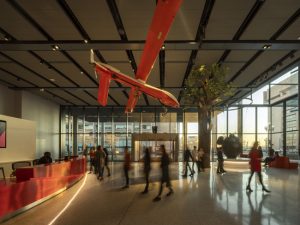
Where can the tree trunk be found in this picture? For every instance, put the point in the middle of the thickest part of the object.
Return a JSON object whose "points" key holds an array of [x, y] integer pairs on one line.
{"points": [[204, 120]]}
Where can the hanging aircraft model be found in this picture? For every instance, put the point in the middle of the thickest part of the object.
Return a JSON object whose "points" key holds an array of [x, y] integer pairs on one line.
{"points": [[164, 15]]}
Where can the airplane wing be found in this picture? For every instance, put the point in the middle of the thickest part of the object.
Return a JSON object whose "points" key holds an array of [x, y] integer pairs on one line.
{"points": [[164, 15], [107, 73]]}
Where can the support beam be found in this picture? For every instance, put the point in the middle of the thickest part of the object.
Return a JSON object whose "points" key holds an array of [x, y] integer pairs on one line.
{"points": [[138, 45]]}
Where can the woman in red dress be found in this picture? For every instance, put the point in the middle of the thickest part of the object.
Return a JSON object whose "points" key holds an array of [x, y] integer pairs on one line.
{"points": [[255, 156]]}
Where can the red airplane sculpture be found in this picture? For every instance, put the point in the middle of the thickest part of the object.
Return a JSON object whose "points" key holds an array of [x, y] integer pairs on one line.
{"points": [[164, 15]]}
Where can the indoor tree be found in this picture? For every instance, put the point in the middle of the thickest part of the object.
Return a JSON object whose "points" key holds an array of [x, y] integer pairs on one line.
{"points": [[206, 88]]}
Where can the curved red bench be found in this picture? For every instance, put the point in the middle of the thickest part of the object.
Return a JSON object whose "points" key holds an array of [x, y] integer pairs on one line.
{"points": [[283, 162]]}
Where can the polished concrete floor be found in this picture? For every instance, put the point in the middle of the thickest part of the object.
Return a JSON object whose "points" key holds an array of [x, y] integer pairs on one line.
{"points": [[204, 199]]}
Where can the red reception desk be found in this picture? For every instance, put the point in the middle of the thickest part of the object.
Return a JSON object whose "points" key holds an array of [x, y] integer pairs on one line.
{"points": [[37, 182]]}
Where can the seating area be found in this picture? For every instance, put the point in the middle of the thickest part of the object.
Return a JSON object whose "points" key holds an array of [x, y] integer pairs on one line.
{"points": [[284, 163]]}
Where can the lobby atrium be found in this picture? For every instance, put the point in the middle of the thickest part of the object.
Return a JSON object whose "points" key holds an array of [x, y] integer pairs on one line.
{"points": [[81, 81]]}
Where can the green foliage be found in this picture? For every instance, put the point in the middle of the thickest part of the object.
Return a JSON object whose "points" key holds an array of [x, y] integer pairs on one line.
{"points": [[206, 86]]}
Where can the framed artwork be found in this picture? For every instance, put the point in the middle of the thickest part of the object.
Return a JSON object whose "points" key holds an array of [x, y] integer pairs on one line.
{"points": [[2, 134]]}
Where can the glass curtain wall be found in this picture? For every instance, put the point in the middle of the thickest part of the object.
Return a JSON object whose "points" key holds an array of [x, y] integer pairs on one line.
{"points": [[268, 115], [113, 129]]}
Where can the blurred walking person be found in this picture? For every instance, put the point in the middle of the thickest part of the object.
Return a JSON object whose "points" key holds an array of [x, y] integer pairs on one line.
{"points": [[100, 161], [106, 160], [92, 160], [200, 160], [220, 168], [126, 166], [187, 156], [165, 178], [147, 168]]}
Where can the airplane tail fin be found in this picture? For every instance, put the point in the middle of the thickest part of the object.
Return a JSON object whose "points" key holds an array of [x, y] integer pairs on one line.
{"points": [[104, 81], [92, 57], [132, 100]]}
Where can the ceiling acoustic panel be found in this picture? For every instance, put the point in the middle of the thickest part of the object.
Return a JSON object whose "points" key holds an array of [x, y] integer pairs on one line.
{"points": [[52, 18], [25, 74], [226, 18], [49, 96], [75, 74], [83, 58], [96, 19], [114, 56], [68, 96], [292, 33], [270, 18], [263, 62], [16, 25], [136, 17], [52, 56], [238, 56], [124, 68], [173, 56], [85, 96], [13, 80], [39, 67], [174, 74], [233, 68], [187, 20], [207, 57]]}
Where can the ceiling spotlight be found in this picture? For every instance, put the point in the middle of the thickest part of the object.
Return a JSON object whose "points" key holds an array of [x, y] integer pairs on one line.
{"points": [[163, 47], [298, 38], [52, 79], [130, 61], [81, 72], [267, 46], [6, 38], [86, 41], [42, 89], [55, 47]]}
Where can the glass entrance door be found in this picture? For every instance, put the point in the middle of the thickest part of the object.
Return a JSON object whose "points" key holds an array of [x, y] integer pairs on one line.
{"points": [[154, 149]]}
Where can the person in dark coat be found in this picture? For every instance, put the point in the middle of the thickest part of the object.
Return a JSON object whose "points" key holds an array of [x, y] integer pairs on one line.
{"points": [[165, 178], [220, 168], [187, 156], [106, 161], [46, 159], [147, 168]]}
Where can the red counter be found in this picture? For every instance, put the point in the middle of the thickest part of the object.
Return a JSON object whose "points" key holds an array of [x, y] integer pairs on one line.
{"points": [[37, 182]]}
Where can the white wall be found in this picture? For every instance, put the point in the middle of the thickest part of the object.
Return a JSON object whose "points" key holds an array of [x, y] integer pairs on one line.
{"points": [[46, 115], [20, 142]]}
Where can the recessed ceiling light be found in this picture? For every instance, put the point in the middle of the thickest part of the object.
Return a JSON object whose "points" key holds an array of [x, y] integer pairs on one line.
{"points": [[298, 38], [52, 79], [6, 38], [55, 47], [42, 89], [86, 41], [267, 46], [81, 72]]}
